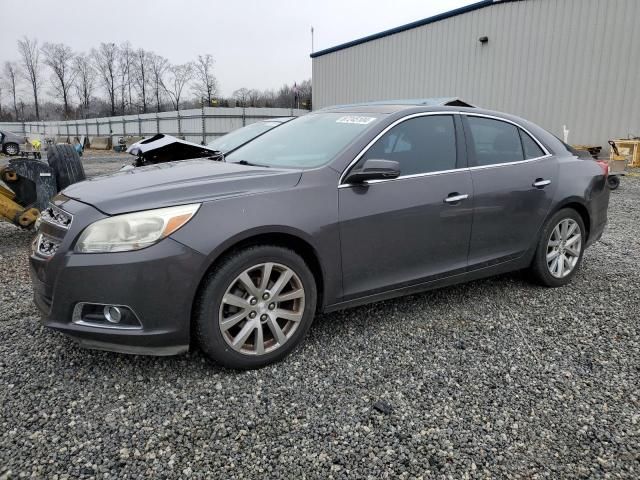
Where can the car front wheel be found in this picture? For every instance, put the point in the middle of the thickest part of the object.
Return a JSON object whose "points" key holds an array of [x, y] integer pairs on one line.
{"points": [[255, 307], [560, 249]]}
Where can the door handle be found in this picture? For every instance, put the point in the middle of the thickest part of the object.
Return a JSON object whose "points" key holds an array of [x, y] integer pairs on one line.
{"points": [[455, 197], [541, 183]]}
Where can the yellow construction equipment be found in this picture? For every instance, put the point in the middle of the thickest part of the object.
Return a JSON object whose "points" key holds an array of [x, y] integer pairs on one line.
{"points": [[27, 184]]}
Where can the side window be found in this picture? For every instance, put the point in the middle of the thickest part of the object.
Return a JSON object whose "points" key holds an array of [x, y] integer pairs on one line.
{"points": [[531, 148], [419, 145], [495, 141]]}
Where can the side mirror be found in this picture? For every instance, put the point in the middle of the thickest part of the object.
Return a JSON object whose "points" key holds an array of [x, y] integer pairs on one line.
{"points": [[374, 170]]}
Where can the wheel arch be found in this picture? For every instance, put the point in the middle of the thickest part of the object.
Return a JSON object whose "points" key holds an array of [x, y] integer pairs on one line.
{"points": [[579, 206], [281, 237]]}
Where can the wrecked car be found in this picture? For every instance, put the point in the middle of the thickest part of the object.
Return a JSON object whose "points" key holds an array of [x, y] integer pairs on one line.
{"points": [[165, 148]]}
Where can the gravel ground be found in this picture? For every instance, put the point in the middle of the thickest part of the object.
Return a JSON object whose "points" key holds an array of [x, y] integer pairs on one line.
{"points": [[496, 378]]}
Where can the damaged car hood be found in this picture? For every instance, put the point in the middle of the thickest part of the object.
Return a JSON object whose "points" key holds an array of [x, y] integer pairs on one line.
{"points": [[165, 148], [176, 183]]}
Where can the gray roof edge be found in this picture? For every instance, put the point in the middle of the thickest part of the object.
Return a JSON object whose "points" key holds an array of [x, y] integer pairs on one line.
{"points": [[409, 26]]}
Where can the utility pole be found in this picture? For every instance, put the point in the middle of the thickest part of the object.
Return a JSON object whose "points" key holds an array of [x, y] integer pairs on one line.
{"points": [[311, 38]]}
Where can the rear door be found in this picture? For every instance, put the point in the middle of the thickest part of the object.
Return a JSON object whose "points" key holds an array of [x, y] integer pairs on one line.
{"points": [[514, 180], [410, 229]]}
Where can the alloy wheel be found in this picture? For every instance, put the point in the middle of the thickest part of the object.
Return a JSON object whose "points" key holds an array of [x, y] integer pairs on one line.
{"points": [[261, 309], [564, 247]]}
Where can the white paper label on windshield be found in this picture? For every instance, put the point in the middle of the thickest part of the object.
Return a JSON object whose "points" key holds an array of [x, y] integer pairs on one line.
{"points": [[356, 120]]}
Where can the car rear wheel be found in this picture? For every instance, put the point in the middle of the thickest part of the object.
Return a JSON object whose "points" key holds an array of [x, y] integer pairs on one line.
{"points": [[11, 148], [255, 307], [560, 249]]}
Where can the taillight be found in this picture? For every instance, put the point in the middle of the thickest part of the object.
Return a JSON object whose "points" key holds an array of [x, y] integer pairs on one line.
{"points": [[604, 166]]}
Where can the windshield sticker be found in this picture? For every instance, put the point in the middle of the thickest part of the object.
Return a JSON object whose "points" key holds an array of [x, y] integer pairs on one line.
{"points": [[356, 120]]}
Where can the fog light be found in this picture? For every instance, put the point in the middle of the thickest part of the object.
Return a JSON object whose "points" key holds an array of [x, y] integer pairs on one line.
{"points": [[112, 314], [105, 316]]}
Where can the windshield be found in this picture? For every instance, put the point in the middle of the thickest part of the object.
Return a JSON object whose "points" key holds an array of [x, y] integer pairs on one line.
{"points": [[306, 142], [238, 137]]}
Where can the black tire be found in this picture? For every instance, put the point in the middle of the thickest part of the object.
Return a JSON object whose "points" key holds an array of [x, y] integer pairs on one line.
{"points": [[207, 331], [539, 268], [11, 148], [66, 164], [613, 181]]}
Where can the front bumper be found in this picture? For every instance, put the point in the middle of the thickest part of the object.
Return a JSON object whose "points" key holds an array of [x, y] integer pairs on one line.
{"points": [[157, 283]]}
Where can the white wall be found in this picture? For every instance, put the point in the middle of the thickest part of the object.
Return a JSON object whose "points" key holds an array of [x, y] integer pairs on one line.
{"points": [[554, 62]]}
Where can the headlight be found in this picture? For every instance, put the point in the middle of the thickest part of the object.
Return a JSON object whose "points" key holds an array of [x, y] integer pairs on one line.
{"points": [[134, 231]]}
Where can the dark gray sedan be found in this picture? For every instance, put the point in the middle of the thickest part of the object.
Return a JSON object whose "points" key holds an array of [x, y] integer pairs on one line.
{"points": [[341, 207]]}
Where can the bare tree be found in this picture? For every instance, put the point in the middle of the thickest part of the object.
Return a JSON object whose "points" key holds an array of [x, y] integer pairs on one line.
{"points": [[125, 63], [304, 94], [177, 78], [11, 81], [59, 58], [254, 97], [31, 63], [269, 98], [105, 59], [158, 69], [85, 80], [142, 73], [242, 96], [206, 85]]}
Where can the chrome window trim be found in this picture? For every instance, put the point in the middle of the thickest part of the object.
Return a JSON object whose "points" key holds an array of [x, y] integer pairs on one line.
{"points": [[440, 172], [377, 137], [508, 164], [406, 177]]}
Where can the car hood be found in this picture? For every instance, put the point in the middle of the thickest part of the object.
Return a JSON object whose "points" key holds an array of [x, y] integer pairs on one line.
{"points": [[165, 148], [174, 183]]}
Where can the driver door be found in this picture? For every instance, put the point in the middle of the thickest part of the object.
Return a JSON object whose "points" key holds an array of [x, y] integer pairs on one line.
{"points": [[410, 229]]}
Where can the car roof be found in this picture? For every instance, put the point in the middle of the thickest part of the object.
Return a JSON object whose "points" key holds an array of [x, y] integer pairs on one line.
{"points": [[408, 108], [389, 106], [412, 106]]}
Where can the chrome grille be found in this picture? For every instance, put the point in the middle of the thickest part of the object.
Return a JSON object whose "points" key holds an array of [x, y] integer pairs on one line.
{"points": [[56, 216], [46, 246]]}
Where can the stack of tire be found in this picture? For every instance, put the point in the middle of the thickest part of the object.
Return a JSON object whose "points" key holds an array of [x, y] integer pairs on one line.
{"points": [[66, 165]]}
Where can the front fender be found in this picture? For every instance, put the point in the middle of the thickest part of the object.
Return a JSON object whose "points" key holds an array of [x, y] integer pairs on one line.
{"points": [[307, 212]]}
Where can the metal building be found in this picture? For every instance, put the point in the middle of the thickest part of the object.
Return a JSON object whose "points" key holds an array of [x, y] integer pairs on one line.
{"points": [[554, 62]]}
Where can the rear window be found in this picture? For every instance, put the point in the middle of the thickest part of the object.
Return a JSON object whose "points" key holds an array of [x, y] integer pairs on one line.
{"points": [[495, 141], [530, 147]]}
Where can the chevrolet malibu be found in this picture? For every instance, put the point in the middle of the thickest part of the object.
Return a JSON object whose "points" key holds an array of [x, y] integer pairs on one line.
{"points": [[342, 207]]}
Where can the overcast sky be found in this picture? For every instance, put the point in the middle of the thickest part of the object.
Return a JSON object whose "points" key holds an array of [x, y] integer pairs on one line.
{"points": [[256, 44]]}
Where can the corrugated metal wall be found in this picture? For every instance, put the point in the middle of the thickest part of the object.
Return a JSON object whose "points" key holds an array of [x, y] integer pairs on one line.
{"points": [[555, 62], [217, 122]]}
